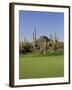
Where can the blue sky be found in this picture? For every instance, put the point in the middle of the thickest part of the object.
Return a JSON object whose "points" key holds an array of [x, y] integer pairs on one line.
{"points": [[45, 23]]}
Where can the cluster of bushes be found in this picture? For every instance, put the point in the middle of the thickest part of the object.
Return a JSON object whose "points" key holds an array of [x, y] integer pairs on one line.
{"points": [[25, 47], [51, 46]]}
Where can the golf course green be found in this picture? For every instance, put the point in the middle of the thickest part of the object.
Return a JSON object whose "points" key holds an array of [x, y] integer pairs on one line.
{"points": [[41, 66]]}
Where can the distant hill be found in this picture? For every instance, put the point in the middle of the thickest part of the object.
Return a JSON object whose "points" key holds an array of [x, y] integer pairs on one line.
{"points": [[43, 39]]}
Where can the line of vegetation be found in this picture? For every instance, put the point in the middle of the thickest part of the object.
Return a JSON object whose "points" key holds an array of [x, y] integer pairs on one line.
{"points": [[51, 53]]}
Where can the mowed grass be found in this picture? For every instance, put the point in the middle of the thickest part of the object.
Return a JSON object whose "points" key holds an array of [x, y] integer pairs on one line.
{"points": [[41, 67]]}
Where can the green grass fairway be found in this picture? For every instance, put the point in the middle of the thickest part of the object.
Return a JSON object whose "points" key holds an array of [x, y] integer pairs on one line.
{"points": [[41, 66]]}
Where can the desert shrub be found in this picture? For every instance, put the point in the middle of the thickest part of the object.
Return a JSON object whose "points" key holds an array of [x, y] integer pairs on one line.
{"points": [[25, 48]]}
